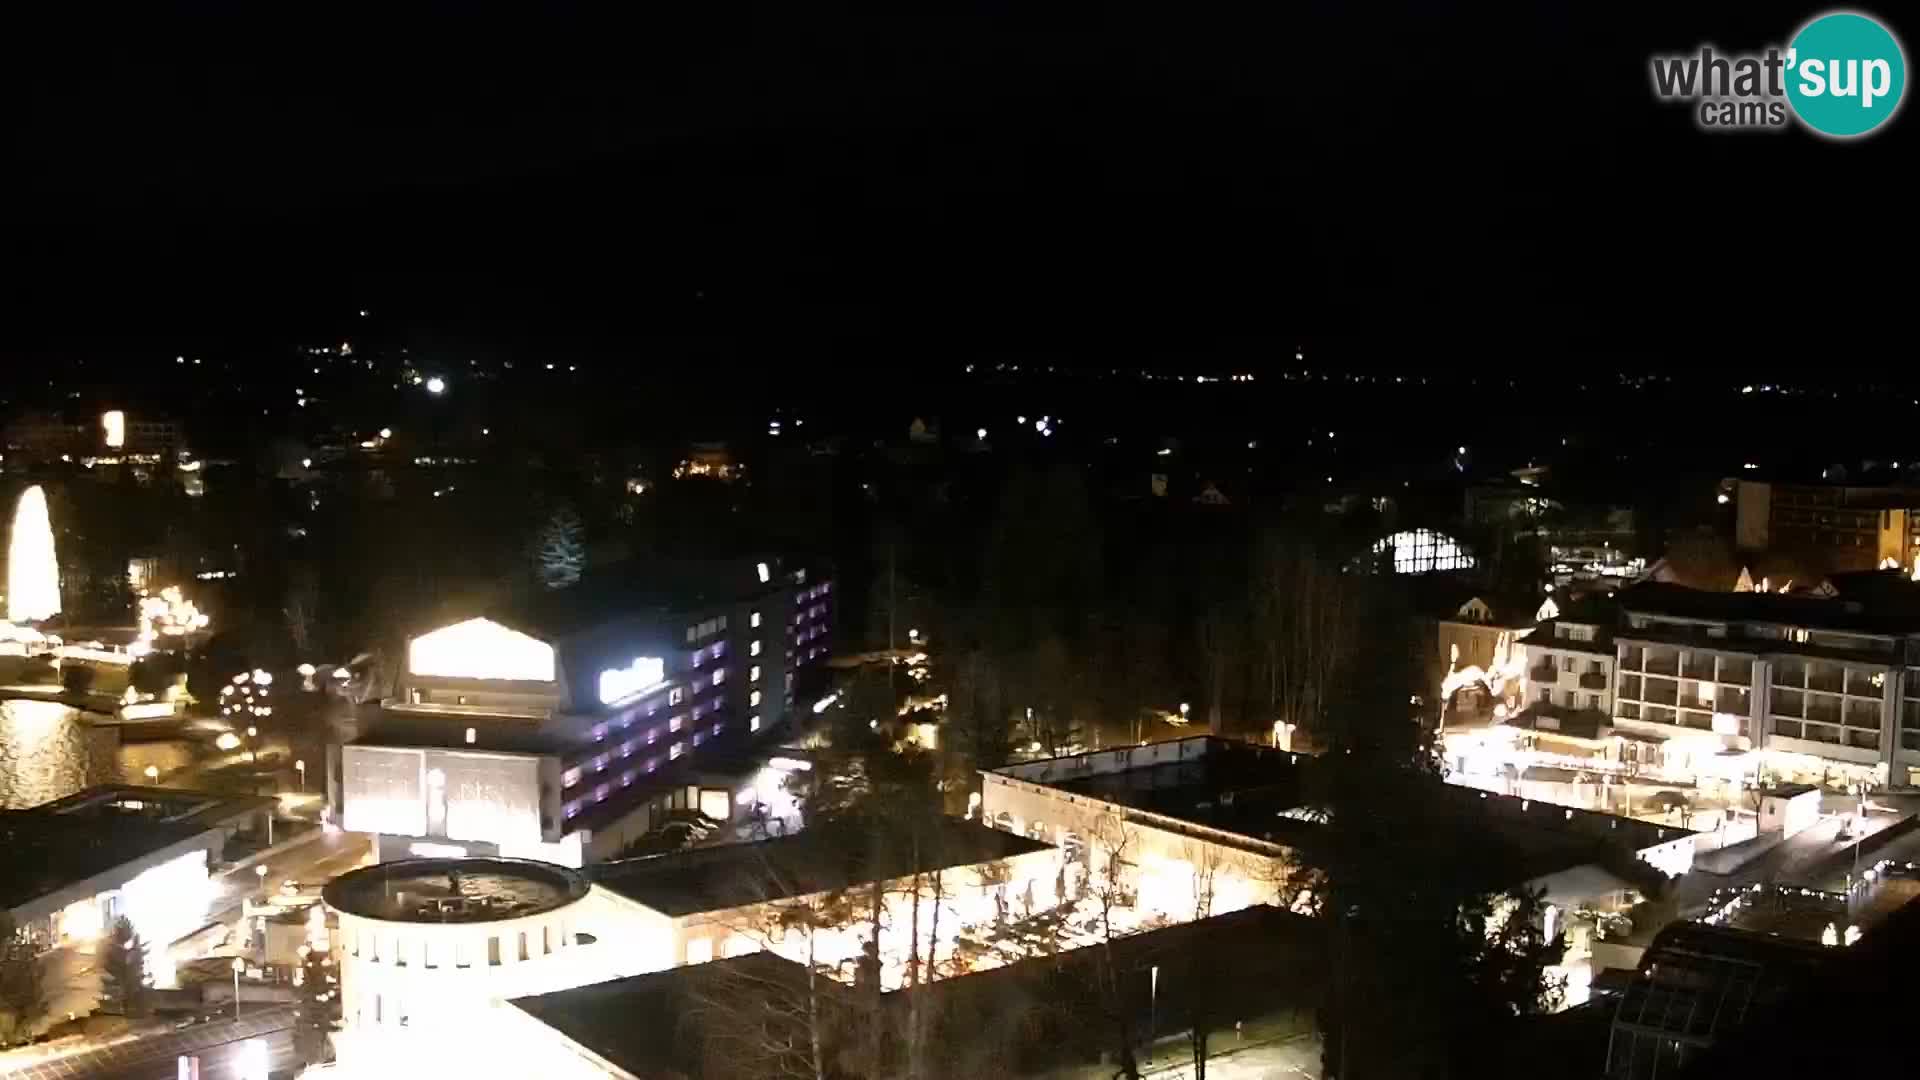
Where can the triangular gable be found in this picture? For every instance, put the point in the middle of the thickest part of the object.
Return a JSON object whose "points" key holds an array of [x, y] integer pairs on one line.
{"points": [[480, 649]]}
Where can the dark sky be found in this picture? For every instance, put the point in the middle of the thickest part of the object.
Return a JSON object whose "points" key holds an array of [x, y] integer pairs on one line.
{"points": [[1471, 180]]}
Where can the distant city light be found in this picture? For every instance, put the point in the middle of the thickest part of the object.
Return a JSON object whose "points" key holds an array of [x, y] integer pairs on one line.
{"points": [[765, 574], [436, 385], [113, 423], [227, 741], [386, 433], [980, 433]]}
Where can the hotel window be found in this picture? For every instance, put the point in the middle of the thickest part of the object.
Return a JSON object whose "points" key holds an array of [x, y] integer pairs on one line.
{"points": [[753, 647], [753, 620], [570, 777], [674, 695], [719, 649], [719, 676], [674, 724], [753, 673], [753, 699], [674, 751], [753, 722]]}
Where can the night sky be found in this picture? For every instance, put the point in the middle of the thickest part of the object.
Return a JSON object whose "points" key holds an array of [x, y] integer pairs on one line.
{"points": [[1465, 182]]}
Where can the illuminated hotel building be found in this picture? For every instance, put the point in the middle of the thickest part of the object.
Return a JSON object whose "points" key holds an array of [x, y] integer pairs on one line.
{"points": [[1800, 686], [565, 726]]}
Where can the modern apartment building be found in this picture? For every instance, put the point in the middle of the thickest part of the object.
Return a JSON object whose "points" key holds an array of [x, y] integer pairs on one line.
{"points": [[1848, 527]]}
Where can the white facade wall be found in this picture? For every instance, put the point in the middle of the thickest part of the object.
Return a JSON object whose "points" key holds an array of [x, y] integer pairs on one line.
{"points": [[409, 986], [1168, 853]]}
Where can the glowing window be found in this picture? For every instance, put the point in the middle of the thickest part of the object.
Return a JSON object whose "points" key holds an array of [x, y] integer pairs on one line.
{"points": [[753, 647], [753, 722], [753, 673], [719, 676], [675, 723], [674, 695], [753, 699], [1421, 551], [674, 751], [480, 649], [753, 620]]}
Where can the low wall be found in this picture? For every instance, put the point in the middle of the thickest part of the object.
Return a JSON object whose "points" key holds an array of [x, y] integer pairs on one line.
{"points": [[1732, 857]]}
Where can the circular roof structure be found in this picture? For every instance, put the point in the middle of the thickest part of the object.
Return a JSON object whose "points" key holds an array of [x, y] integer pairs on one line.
{"points": [[455, 890]]}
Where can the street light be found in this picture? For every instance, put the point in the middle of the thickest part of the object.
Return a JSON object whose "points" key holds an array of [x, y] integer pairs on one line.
{"points": [[239, 966], [301, 767], [152, 772]]}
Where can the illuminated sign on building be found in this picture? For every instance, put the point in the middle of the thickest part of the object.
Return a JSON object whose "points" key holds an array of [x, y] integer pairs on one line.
{"points": [[480, 649], [619, 684], [113, 423]]}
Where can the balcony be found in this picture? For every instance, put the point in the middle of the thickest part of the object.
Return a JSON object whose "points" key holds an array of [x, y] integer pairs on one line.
{"points": [[1543, 673], [1593, 680]]}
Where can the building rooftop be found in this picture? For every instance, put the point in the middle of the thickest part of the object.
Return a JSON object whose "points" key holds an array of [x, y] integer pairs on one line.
{"points": [[734, 875], [123, 802], [639, 1024], [638, 588], [1260, 794], [455, 890], [1885, 609], [48, 850]]}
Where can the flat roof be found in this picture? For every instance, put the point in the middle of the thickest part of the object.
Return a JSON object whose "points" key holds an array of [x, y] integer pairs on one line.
{"points": [[119, 802], [455, 890], [47, 851], [1257, 793], [729, 876], [643, 587], [635, 1022]]}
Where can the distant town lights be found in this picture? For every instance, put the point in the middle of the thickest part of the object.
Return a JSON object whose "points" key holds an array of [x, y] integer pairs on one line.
{"points": [[436, 385]]}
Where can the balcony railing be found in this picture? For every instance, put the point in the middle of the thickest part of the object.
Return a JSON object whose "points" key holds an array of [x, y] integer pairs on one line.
{"points": [[1593, 680], [1545, 673]]}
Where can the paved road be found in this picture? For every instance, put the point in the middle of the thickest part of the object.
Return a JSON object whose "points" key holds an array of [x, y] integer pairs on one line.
{"points": [[157, 1055]]}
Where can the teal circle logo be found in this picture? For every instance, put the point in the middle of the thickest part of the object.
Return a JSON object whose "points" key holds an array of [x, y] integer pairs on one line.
{"points": [[1845, 74]]}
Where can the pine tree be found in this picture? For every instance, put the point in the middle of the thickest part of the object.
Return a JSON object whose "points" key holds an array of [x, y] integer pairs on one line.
{"points": [[123, 970], [23, 991], [317, 1009], [560, 551]]}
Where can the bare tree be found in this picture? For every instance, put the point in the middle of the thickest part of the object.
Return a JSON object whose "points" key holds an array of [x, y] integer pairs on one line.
{"points": [[796, 1021], [1306, 623], [1205, 860]]}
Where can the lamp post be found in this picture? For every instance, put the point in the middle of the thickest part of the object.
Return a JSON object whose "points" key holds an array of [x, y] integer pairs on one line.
{"points": [[239, 965], [152, 772], [300, 767]]}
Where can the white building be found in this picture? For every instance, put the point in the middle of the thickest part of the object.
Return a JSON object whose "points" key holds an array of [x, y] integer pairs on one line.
{"points": [[1792, 687]]}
